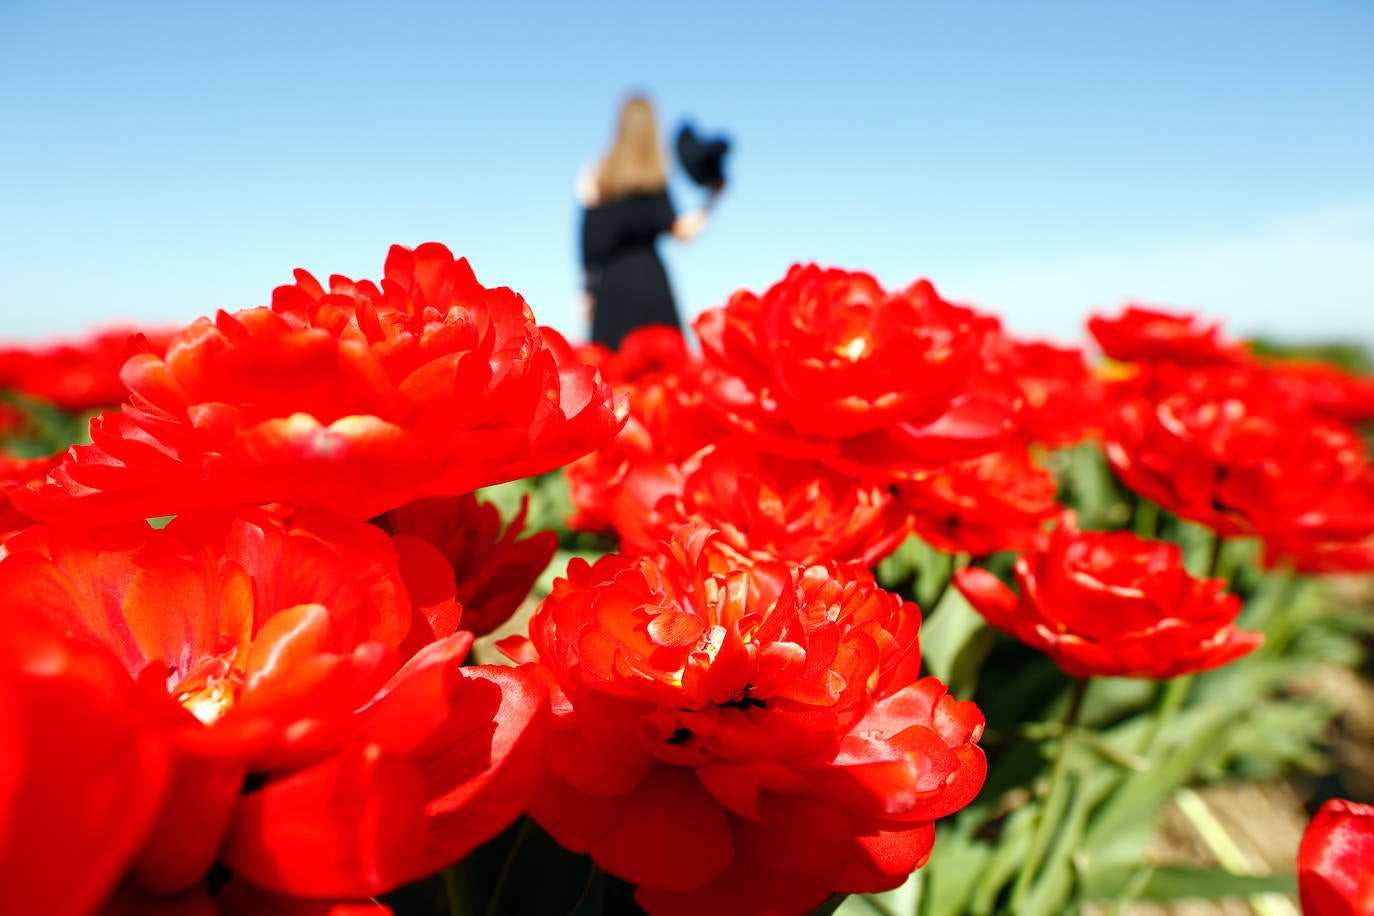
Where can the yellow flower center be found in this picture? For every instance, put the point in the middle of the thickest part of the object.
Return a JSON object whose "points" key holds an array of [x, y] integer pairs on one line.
{"points": [[854, 349], [211, 688]]}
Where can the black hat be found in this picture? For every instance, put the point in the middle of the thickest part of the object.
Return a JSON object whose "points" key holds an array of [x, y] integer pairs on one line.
{"points": [[701, 159]]}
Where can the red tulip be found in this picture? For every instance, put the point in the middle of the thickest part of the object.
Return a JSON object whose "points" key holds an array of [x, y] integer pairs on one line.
{"points": [[79, 375], [1227, 447], [1336, 861], [767, 507], [647, 353], [983, 505], [743, 744], [84, 771], [667, 424], [1113, 604], [325, 742], [358, 399], [1063, 399], [16, 474], [1148, 335], [883, 386], [493, 567], [1328, 390]]}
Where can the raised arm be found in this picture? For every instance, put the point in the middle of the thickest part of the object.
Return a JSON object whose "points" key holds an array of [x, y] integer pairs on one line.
{"points": [[689, 225]]}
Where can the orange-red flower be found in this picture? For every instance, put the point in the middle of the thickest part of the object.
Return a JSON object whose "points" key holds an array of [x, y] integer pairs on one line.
{"points": [[1063, 399], [1336, 861], [741, 745], [828, 365], [668, 423], [493, 567], [1328, 390], [16, 474], [325, 742], [1147, 335], [1310, 555], [1227, 447], [766, 507], [646, 354], [359, 398], [996, 502], [83, 770], [79, 375], [1110, 603]]}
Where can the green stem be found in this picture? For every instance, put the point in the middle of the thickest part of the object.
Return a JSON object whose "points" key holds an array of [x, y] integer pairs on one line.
{"points": [[957, 561], [498, 891], [1146, 518], [456, 890], [1227, 560], [937, 569], [1266, 607], [1218, 547], [1174, 695], [1131, 890], [1052, 810]]}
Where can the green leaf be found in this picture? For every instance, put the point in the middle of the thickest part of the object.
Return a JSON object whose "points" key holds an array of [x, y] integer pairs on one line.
{"points": [[1172, 883], [1087, 485], [899, 567], [1055, 884], [1012, 846], [1140, 796], [952, 873], [947, 632]]}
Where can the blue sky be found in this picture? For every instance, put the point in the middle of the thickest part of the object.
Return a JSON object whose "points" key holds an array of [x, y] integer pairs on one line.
{"points": [[1043, 160]]}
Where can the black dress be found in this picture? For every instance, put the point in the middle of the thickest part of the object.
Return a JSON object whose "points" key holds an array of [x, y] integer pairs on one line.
{"points": [[625, 276]]}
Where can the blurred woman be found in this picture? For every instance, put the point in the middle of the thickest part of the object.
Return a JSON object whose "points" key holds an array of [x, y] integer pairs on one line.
{"points": [[626, 209]]}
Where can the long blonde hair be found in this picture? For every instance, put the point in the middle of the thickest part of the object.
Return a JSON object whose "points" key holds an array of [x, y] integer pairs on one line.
{"points": [[635, 161]]}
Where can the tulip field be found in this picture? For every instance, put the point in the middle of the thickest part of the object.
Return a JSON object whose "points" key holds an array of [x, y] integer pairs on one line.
{"points": [[383, 598]]}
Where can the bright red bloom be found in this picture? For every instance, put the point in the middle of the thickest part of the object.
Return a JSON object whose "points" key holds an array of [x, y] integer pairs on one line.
{"points": [[300, 684], [359, 399], [493, 569], [1063, 398], [1113, 604], [1148, 335], [593, 354], [668, 423], [1225, 447], [663, 383], [882, 386], [767, 507], [1328, 390], [647, 353], [1309, 555], [76, 738], [610, 488], [79, 375], [744, 746], [983, 505], [1336, 861], [16, 474]]}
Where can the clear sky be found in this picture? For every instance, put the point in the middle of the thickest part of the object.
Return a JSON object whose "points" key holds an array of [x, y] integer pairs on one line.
{"points": [[1041, 160]]}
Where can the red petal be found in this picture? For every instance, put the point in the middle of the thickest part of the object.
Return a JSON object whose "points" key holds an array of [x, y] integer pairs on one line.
{"points": [[186, 839], [675, 838], [84, 776], [988, 595], [887, 858], [352, 826], [482, 769]]}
